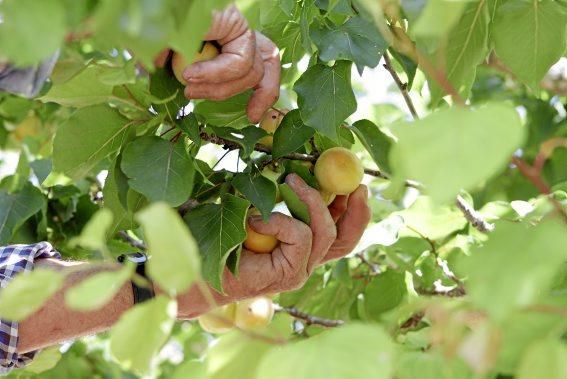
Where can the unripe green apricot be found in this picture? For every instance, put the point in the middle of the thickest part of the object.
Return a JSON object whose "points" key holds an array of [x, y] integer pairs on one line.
{"points": [[179, 63], [338, 171]]}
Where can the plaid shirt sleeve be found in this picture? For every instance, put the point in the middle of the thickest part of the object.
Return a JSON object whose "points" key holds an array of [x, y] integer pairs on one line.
{"points": [[15, 259]]}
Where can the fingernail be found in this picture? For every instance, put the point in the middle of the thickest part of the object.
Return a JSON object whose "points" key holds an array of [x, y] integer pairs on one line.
{"points": [[254, 219]]}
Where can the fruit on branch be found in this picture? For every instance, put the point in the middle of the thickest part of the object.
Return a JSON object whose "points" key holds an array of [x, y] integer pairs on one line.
{"points": [[272, 119], [219, 320], [29, 127], [254, 313], [338, 171], [179, 63], [256, 242]]}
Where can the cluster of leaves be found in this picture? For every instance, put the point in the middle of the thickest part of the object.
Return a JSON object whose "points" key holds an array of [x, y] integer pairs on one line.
{"points": [[426, 295]]}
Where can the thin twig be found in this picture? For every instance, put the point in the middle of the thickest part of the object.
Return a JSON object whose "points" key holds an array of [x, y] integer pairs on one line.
{"points": [[374, 268], [472, 216], [309, 319], [402, 86], [138, 244]]}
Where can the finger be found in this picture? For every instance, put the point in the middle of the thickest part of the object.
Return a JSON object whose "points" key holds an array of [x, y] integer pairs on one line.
{"points": [[322, 225], [352, 224], [225, 90], [227, 25], [268, 90], [235, 61], [338, 207]]}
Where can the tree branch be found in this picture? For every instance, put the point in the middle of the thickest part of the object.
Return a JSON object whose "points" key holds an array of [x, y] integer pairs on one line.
{"points": [[136, 243], [402, 86], [473, 217], [309, 319]]}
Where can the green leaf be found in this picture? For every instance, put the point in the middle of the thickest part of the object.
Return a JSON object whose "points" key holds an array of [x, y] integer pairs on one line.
{"points": [[259, 190], [291, 135], [27, 292], [465, 49], [16, 208], [325, 97], [478, 141], [87, 137], [246, 137], [159, 169], [385, 292], [230, 112], [376, 142], [437, 18], [539, 28], [544, 359], [296, 207], [357, 40], [97, 290], [530, 256], [175, 262], [134, 349], [45, 360], [219, 229], [93, 235], [413, 364], [353, 351], [165, 87], [82, 90], [290, 43], [42, 35]]}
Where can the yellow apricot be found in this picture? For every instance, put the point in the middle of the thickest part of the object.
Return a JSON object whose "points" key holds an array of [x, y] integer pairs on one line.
{"points": [[179, 63], [328, 197], [256, 242], [338, 171], [219, 320], [254, 313], [272, 119]]}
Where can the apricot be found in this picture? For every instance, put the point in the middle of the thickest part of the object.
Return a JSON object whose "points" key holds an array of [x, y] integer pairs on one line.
{"points": [[338, 171], [179, 63], [254, 313], [219, 320], [272, 119], [328, 197], [256, 242]]}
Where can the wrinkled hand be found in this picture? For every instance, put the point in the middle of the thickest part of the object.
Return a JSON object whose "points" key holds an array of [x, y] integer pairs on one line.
{"points": [[248, 60], [333, 233]]}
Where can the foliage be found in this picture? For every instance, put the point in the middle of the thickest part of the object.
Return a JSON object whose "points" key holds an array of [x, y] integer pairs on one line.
{"points": [[429, 293]]}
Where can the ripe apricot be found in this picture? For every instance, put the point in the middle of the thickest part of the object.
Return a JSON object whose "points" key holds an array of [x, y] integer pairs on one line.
{"points": [[338, 171], [272, 119], [179, 62], [219, 320], [327, 197], [254, 313], [256, 242]]}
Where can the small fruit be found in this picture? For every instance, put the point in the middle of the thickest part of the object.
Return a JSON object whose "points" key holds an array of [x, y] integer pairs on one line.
{"points": [[272, 119], [179, 63], [219, 320], [256, 242], [338, 171], [254, 313], [328, 197]]}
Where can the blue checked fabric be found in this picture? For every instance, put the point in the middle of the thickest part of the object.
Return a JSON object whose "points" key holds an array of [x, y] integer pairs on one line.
{"points": [[16, 259]]}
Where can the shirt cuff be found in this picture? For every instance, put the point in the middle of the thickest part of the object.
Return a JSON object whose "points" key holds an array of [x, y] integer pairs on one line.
{"points": [[15, 259]]}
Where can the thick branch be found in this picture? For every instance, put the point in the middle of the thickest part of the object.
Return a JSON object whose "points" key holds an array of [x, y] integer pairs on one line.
{"points": [[309, 319], [472, 216]]}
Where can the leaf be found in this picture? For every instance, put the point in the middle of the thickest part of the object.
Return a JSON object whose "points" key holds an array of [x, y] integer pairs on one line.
{"points": [[353, 351], [530, 256], [356, 40], [290, 43], [376, 142], [82, 90], [478, 141], [27, 292], [325, 97], [291, 135], [165, 87], [97, 290], [385, 292], [93, 235], [413, 364], [45, 360], [219, 229], [230, 112], [546, 358], [297, 208], [259, 190], [16, 208], [134, 349], [159, 169], [529, 37], [465, 49], [42, 36], [175, 262], [246, 137], [87, 137], [437, 18]]}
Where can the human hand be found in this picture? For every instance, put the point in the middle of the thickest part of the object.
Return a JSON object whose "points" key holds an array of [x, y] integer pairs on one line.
{"points": [[248, 60]]}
